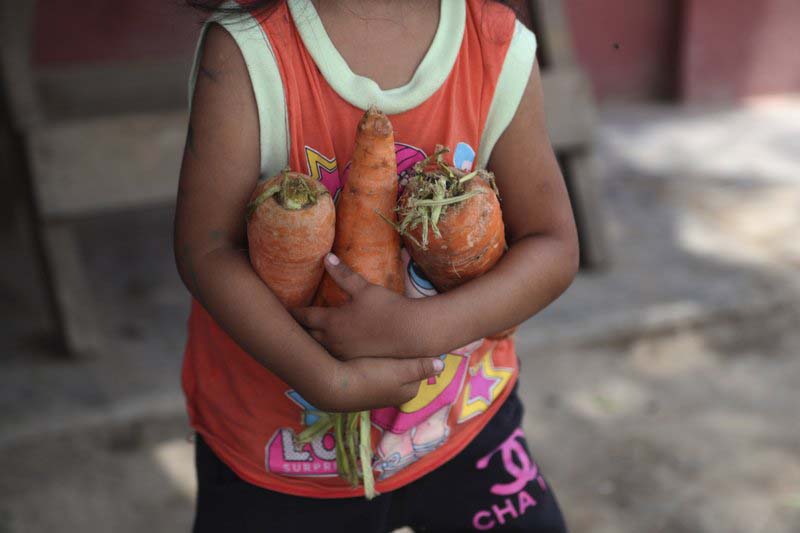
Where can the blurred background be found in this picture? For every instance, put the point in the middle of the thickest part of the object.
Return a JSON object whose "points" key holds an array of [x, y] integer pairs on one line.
{"points": [[662, 390]]}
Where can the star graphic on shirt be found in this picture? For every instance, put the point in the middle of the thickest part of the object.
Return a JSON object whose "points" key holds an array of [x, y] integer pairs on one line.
{"points": [[481, 386], [323, 169], [484, 385]]}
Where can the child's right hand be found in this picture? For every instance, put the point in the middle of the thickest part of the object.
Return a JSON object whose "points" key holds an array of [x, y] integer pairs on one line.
{"points": [[375, 382]]}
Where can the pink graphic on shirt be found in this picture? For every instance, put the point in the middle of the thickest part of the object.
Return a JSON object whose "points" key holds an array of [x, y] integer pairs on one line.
{"points": [[481, 386], [415, 428], [419, 426], [396, 451], [485, 383], [517, 463], [315, 459], [435, 393]]}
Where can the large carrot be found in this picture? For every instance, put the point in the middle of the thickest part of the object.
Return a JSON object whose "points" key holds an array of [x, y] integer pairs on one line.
{"points": [[371, 248], [363, 241], [451, 223], [290, 228]]}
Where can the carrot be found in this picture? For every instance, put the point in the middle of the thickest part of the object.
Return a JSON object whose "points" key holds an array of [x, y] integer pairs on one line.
{"points": [[372, 249], [290, 228], [451, 223], [363, 241]]}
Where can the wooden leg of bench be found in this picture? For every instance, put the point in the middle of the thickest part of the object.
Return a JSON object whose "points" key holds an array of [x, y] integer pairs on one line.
{"points": [[587, 206], [70, 293]]}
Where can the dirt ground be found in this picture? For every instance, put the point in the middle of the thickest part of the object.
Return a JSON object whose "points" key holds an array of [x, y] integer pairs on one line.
{"points": [[661, 394], [695, 432], [690, 433]]}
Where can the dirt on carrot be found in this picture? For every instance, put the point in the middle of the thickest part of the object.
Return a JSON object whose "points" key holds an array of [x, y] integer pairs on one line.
{"points": [[363, 242], [290, 229], [451, 223]]}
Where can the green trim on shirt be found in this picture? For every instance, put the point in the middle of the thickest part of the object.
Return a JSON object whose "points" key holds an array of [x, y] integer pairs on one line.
{"points": [[511, 85], [363, 92], [265, 78], [268, 88]]}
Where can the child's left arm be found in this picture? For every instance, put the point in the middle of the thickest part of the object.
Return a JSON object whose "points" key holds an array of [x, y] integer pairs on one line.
{"points": [[540, 264]]}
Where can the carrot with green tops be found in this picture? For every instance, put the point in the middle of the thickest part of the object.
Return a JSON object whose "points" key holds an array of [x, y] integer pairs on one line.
{"points": [[451, 223], [290, 229]]}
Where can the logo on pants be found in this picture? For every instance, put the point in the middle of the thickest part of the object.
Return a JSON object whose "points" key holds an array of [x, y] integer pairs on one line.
{"points": [[519, 466]]}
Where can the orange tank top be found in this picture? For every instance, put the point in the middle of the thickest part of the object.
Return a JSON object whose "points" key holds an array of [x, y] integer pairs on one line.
{"points": [[247, 415]]}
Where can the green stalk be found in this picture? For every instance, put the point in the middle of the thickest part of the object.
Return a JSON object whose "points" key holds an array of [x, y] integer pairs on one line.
{"points": [[320, 427], [462, 180], [341, 452], [352, 447], [445, 201], [263, 197], [292, 193], [365, 450]]}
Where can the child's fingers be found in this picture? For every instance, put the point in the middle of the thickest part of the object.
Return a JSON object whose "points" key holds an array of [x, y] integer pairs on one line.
{"points": [[415, 371], [386, 381], [418, 369], [350, 282]]}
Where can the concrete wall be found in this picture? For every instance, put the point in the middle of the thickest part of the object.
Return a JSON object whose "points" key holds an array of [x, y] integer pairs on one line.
{"points": [[742, 48], [629, 47]]}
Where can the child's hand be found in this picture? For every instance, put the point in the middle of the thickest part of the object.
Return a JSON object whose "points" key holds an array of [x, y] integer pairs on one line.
{"points": [[376, 322], [372, 383]]}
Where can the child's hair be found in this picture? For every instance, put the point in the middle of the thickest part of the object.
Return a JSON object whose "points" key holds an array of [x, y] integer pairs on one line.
{"points": [[261, 9], [214, 6]]}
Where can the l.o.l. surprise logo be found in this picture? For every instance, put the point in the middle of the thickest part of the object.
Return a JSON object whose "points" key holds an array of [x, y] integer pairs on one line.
{"points": [[315, 459]]}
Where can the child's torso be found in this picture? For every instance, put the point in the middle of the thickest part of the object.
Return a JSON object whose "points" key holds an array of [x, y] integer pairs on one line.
{"points": [[248, 415]]}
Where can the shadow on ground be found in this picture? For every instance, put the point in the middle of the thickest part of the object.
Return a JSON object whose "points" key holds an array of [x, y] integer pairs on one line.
{"points": [[660, 394]]}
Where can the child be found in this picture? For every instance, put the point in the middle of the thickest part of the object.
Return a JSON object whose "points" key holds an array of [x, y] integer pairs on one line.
{"points": [[284, 83]]}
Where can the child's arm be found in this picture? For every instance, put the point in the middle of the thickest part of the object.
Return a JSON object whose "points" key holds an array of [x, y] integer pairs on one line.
{"points": [[540, 264], [221, 165], [543, 257]]}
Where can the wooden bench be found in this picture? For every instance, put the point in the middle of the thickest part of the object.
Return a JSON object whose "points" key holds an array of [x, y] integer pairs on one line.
{"points": [[87, 155]]}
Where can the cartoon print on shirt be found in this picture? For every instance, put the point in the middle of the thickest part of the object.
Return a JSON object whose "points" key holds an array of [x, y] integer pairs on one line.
{"points": [[463, 157], [419, 426], [484, 385], [309, 415], [314, 459], [407, 157], [325, 170], [417, 285]]}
